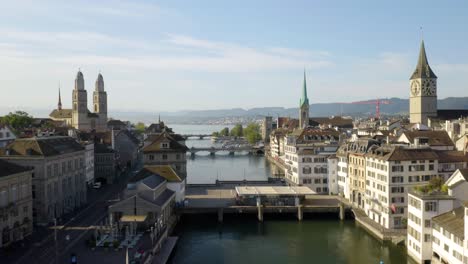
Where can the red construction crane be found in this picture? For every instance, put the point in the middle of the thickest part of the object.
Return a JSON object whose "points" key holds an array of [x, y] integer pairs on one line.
{"points": [[377, 104]]}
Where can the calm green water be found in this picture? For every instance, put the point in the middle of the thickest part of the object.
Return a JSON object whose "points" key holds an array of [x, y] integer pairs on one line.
{"points": [[242, 239]]}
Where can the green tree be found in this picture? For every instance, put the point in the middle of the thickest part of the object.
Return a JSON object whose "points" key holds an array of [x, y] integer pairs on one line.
{"points": [[17, 120], [237, 131], [215, 134], [140, 127], [224, 132], [252, 133]]}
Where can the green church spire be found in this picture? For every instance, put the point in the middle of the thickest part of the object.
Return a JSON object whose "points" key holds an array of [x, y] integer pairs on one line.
{"points": [[304, 99]]}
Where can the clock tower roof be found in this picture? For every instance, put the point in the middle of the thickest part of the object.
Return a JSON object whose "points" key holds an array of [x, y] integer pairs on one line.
{"points": [[423, 70]]}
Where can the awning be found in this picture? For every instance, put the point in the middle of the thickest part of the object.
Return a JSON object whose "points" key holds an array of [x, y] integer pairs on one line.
{"points": [[133, 218]]}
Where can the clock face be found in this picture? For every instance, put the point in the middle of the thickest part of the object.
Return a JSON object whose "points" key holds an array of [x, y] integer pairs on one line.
{"points": [[428, 88], [415, 88]]}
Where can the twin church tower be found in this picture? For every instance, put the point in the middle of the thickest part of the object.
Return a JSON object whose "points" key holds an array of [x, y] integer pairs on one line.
{"points": [[79, 117], [423, 94]]}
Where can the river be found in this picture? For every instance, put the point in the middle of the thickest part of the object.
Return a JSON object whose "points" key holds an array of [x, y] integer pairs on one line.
{"points": [[281, 239]]}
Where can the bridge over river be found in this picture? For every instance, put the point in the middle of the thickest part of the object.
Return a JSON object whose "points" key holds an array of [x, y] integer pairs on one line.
{"points": [[231, 150]]}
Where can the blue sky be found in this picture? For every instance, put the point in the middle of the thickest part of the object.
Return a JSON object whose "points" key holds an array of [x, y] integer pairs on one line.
{"points": [[177, 55]]}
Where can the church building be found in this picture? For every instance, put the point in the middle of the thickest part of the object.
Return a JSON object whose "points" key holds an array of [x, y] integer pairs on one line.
{"points": [[79, 117], [423, 92]]}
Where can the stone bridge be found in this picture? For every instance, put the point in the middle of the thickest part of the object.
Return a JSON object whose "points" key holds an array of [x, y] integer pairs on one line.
{"points": [[231, 150]]}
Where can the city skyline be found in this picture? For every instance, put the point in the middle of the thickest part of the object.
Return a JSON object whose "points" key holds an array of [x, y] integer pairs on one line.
{"points": [[218, 59]]}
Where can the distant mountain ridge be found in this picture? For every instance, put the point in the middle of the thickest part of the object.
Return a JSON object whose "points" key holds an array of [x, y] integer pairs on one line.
{"points": [[397, 106]]}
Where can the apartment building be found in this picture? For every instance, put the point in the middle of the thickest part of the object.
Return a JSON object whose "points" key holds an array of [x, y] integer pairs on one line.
{"points": [[15, 203], [58, 179], [167, 149], [306, 157], [390, 172]]}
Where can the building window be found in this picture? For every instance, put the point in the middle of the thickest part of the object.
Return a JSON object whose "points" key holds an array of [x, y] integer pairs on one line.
{"points": [[430, 206], [307, 170], [151, 157], [164, 156], [427, 223], [178, 156], [427, 237]]}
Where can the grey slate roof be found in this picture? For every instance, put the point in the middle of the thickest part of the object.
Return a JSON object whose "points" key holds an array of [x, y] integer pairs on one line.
{"points": [[8, 168], [423, 70], [153, 181], [46, 146]]}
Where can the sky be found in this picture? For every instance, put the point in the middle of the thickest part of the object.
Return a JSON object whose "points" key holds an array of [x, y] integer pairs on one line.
{"points": [[193, 55]]}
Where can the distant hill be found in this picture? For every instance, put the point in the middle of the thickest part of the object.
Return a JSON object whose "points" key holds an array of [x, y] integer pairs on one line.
{"points": [[397, 106]]}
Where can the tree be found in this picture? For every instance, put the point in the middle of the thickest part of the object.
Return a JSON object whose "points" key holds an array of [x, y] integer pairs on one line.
{"points": [[252, 133], [140, 127], [224, 132], [215, 134], [17, 120], [237, 131]]}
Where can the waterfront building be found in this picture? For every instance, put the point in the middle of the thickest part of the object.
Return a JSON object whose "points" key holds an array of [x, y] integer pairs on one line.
{"points": [[16, 216], [306, 154], [390, 172], [6, 135], [266, 127], [332, 161], [357, 169], [166, 149], [58, 179], [277, 140], [342, 171], [147, 203], [175, 183], [79, 117]]}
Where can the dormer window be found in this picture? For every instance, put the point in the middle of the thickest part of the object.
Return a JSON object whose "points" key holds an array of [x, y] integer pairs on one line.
{"points": [[165, 145]]}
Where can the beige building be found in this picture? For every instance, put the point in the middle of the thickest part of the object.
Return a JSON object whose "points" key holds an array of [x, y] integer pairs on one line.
{"points": [[58, 179], [15, 203], [167, 149], [79, 116]]}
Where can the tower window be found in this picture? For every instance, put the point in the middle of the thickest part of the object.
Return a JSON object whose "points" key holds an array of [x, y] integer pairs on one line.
{"points": [[95, 108]]}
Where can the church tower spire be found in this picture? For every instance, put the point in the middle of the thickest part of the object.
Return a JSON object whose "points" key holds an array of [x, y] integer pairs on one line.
{"points": [[304, 106], [423, 90], [59, 105]]}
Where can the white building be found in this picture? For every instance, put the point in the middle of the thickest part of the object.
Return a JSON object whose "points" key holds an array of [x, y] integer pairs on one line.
{"points": [[6, 135], [306, 157], [390, 172], [422, 207], [332, 175]]}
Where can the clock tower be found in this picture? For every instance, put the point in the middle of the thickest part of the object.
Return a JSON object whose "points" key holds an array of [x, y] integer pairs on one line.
{"points": [[423, 91]]}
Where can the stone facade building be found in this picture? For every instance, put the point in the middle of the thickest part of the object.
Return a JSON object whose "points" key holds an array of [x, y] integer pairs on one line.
{"points": [[15, 203], [58, 180]]}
